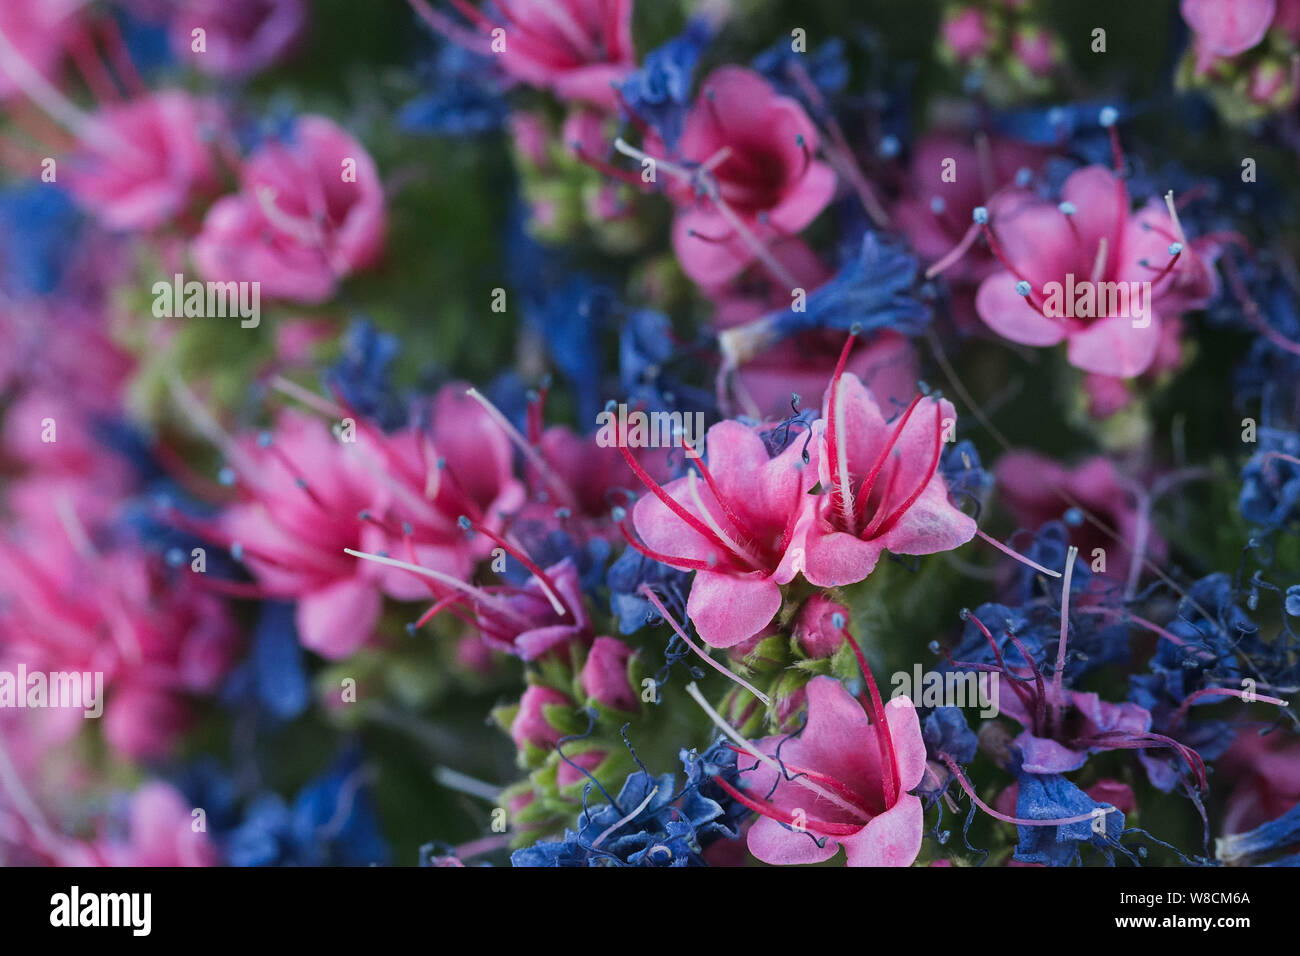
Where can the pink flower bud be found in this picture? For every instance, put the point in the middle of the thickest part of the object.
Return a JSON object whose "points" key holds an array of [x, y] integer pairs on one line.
{"points": [[530, 725], [604, 676], [819, 628], [967, 34]]}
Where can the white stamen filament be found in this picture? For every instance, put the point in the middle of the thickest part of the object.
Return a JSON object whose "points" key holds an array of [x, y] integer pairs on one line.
{"points": [[1099, 263], [631, 816], [534, 457], [767, 761], [693, 488], [478, 594], [1173, 214], [847, 512], [726, 672]]}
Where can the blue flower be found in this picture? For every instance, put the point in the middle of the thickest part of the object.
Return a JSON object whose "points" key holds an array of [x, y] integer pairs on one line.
{"points": [[946, 731], [650, 824], [659, 92], [1045, 797], [1271, 837], [363, 375], [548, 545], [462, 95], [647, 353], [38, 227], [331, 823], [874, 291], [827, 67], [624, 579], [1270, 486], [572, 318], [277, 662]]}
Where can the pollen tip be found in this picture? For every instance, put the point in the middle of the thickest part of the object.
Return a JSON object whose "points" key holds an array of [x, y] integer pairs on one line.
{"points": [[980, 214], [1108, 117], [1023, 287], [1175, 248]]}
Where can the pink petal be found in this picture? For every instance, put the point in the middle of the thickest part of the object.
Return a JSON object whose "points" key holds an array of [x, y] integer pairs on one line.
{"points": [[728, 608], [1229, 27], [1012, 316], [1115, 347], [891, 839], [773, 843], [338, 619]]}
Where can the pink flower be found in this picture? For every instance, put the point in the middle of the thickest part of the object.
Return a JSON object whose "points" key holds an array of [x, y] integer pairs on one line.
{"points": [[1265, 775], [40, 31], [151, 159], [801, 365], [160, 833], [1061, 749], [577, 49], [1034, 490], [157, 638], [241, 36], [453, 462], [524, 621], [310, 212], [1091, 237], [884, 490], [734, 525], [762, 180], [303, 500], [845, 781]]}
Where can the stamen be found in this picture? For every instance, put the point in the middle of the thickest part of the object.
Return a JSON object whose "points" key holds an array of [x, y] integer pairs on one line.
{"points": [[768, 809], [868, 483], [726, 672], [838, 447], [1173, 214], [673, 504], [955, 770], [532, 454], [671, 168], [763, 758], [1247, 696], [479, 594], [544, 581], [690, 564], [884, 740], [618, 823], [1099, 261], [1019, 557], [692, 486], [957, 252], [894, 518], [1058, 677]]}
